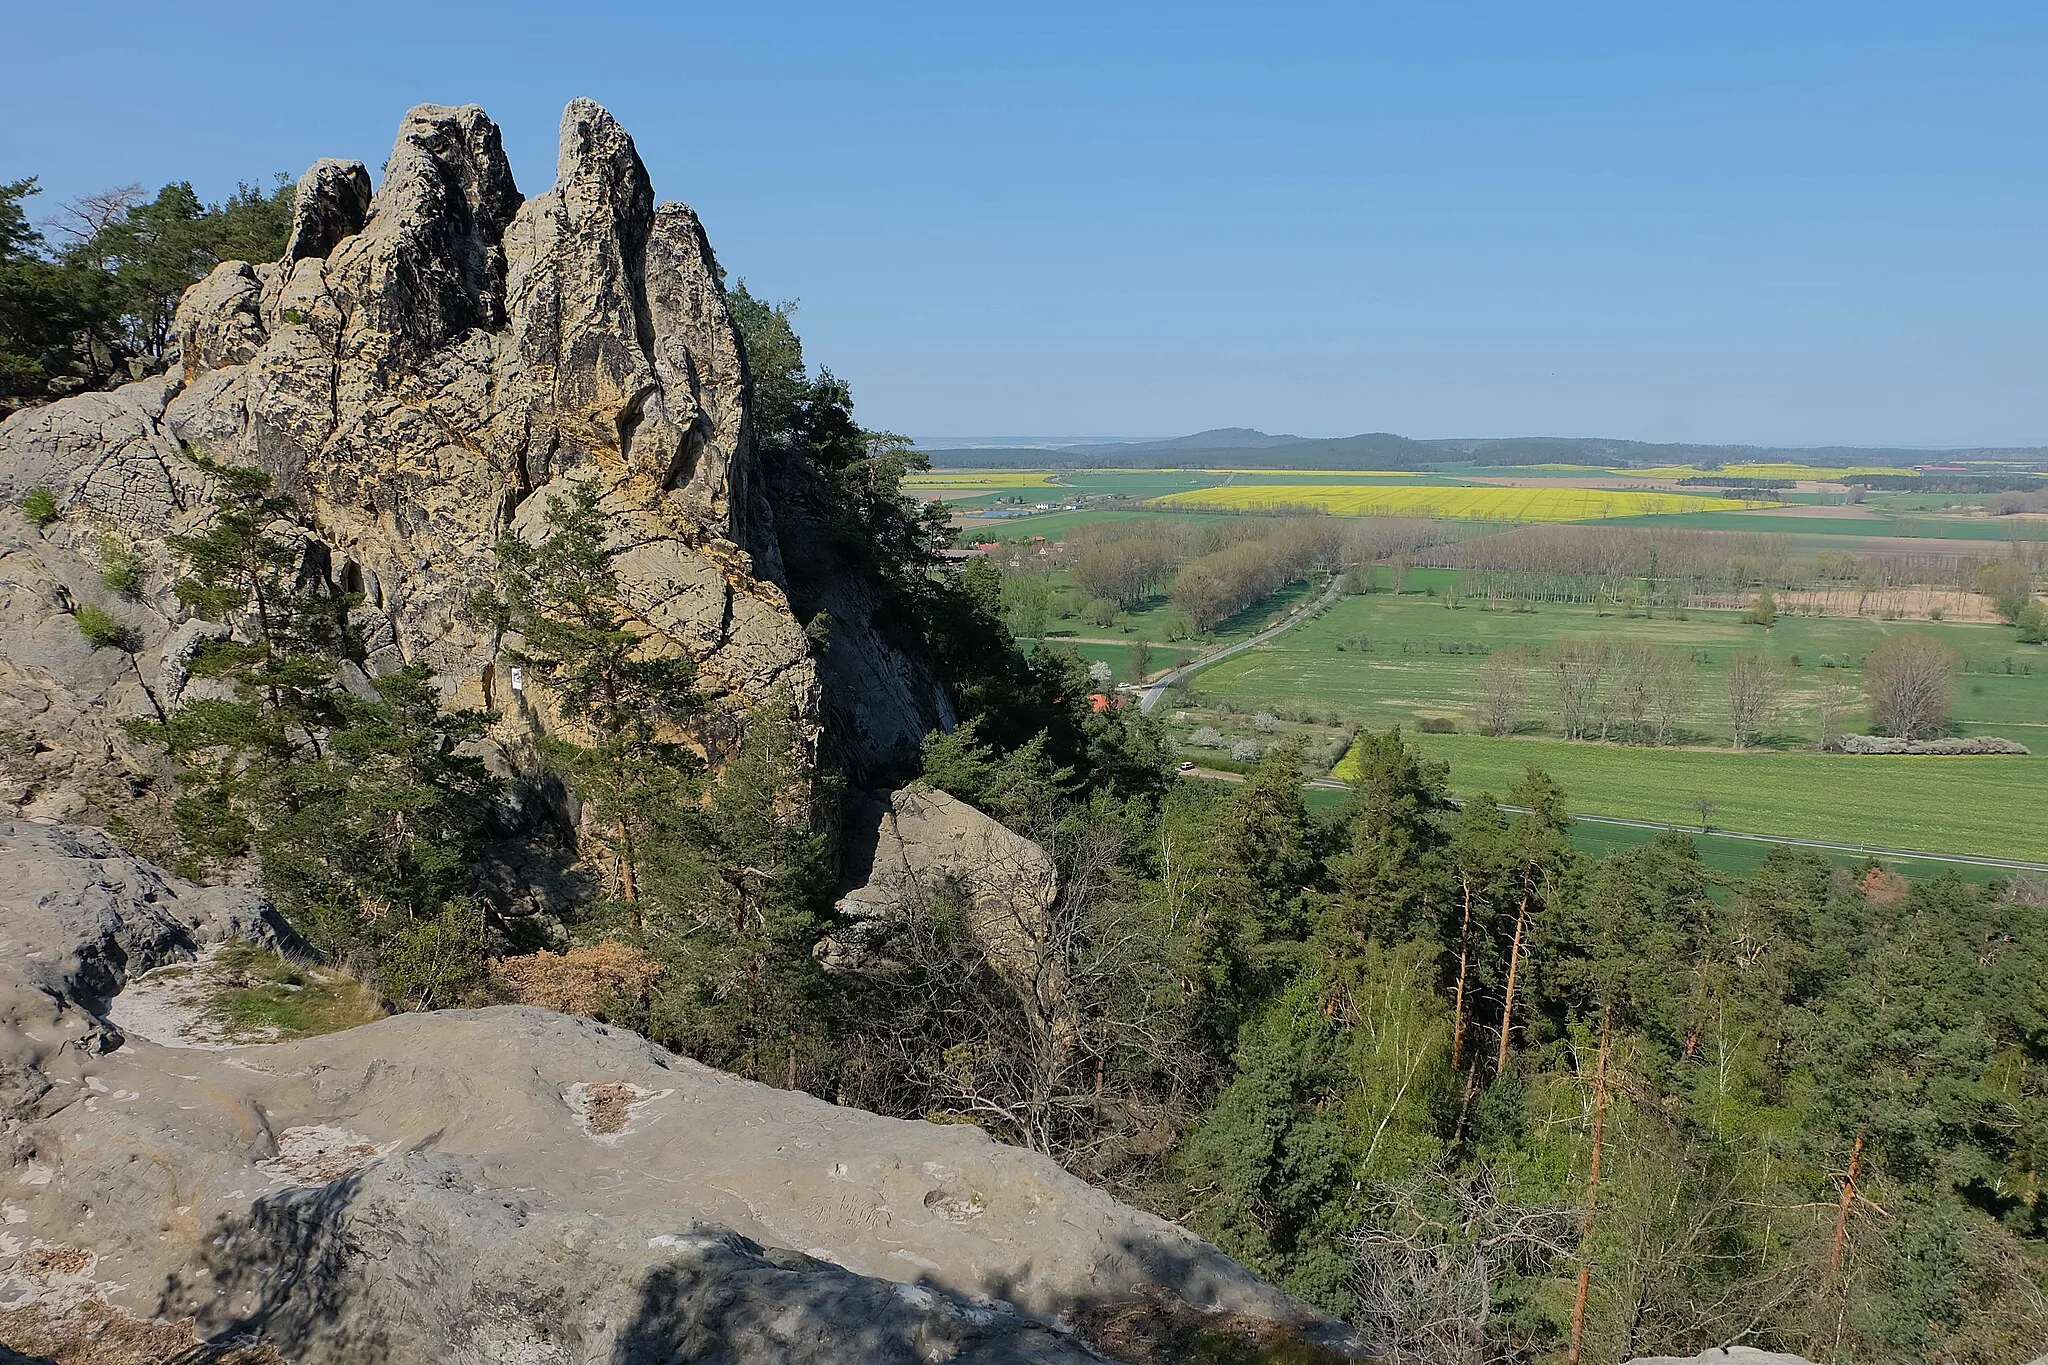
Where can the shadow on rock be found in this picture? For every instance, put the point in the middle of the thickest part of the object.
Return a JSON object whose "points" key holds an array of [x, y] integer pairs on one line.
{"points": [[281, 1276], [726, 1298]]}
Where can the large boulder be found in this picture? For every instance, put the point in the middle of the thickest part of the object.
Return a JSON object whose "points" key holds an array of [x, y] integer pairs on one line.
{"points": [[508, 1184], [908, 850]]}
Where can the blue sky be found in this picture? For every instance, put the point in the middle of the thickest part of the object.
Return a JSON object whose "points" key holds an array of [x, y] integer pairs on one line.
{"points": [[1766, 223]]}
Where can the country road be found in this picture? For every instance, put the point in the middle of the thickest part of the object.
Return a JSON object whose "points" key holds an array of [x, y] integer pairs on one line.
{"points": [[1149, 698]]}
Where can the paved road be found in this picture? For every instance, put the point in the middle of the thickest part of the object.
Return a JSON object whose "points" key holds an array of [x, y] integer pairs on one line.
{"points": [[1974, 860], [1149, 698]]}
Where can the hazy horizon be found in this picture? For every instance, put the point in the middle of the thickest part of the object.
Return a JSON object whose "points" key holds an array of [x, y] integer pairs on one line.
{"points": [[1055, 442]]}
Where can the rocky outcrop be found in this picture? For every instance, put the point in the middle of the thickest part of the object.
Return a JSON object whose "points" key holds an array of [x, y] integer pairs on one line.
{"points": [[1886, 744], [507, 1184], [62, 749], [426, 366], [911, 849]]}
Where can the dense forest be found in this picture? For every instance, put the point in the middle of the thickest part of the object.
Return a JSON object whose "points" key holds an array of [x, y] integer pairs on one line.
{"points": [[1420, 1062]]}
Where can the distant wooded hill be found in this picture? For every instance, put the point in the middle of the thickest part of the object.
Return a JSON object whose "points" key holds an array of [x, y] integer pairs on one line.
{"points": [[1241, 447]]}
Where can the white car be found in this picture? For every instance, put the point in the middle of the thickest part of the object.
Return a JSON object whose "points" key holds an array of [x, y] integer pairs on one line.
{"points": [[1187, 767]]}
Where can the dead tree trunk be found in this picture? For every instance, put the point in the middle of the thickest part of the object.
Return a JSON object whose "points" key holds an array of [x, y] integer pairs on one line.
{"points": [[1842, 1210], [1464, 962], [1592, 1191], [1507, 1009]]}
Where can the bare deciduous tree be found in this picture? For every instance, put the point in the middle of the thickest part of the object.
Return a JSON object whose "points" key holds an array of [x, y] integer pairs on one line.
{"points": [[1577, 668], [1040, 1030], [1756, 684], [1504, 688], [1836, 697], [1431, 1248], [1635, 671], [1674, 686], [82, 219], [1909, 682]]}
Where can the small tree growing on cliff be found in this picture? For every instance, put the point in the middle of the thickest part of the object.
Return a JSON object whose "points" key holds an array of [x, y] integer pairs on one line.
{"points": [[623, 700], [277, 661], [362, 809]]}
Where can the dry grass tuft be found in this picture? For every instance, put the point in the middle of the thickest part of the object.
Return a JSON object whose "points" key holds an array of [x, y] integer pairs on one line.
{"points": [[608, 1107], [585, 981], [1159, 1329]]}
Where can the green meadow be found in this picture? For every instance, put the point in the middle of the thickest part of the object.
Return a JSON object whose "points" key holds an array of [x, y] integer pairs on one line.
{"points": [[1382, 660]]}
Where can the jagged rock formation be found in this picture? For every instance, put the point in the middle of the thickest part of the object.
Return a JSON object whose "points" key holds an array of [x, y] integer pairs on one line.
{"points": [[422, 368], [506, 1184]]}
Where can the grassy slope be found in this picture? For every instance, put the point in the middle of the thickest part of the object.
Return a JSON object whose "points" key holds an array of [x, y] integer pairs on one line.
{"points": [[277, 1000]]}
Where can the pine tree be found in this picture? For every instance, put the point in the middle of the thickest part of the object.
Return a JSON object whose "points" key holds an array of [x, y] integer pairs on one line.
{"points": [[362, 807], [245, 753], [624, 702]]}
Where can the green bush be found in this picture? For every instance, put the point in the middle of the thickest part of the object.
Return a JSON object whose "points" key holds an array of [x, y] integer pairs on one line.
{"points": [[120, 568], [104, 629], [40, 506], [2033, 624]]}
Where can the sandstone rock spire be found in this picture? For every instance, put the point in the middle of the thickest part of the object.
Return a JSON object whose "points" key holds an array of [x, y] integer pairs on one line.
{"points": [[425, 366]]}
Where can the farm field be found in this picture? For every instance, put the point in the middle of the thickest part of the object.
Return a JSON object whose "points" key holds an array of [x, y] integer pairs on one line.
{"points": [[1735, 857], [1992, 806], [1742, 857], [1819, 473], [1154, 621], [1486, 503], [1725, 518], [1055, 525], [1137, 483], [1383, 660], [977, 478], [1097, 646]]}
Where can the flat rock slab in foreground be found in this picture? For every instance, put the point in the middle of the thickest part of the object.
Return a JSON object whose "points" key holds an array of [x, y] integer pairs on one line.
{"points": [[506, 1184]]}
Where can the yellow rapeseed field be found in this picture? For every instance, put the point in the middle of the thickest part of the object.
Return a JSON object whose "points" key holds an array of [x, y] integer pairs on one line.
{"points": [[1473, 504], [1321, 473]]}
